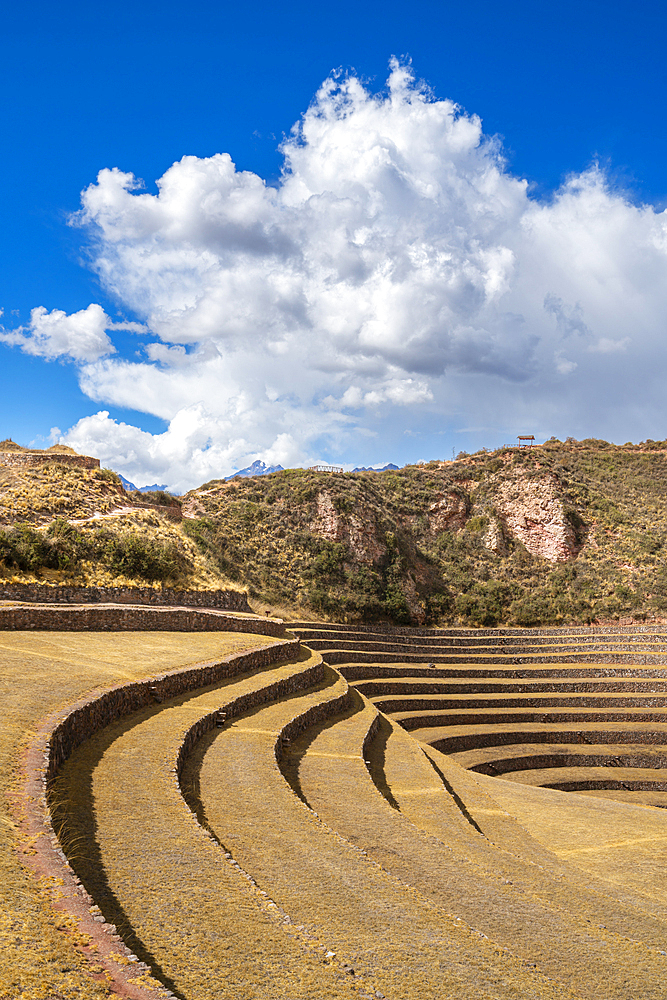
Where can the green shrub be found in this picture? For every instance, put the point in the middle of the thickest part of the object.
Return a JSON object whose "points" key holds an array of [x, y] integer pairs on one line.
{"points": [[109, 476], [477, 523], [64, 547], [484, 604], [157, 497], [24, 548], [135, 556]]}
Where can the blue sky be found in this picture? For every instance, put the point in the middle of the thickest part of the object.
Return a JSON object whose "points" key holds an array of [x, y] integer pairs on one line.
{"points": [[139, 86]]}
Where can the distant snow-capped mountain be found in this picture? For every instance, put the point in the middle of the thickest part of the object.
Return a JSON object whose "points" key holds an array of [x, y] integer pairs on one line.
{"points": [[127, 485], [256, 469], [385, 468]]}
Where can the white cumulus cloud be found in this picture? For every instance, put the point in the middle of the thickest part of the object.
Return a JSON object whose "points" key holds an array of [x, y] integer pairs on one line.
{"points": [[81, 336], [396, 268]]}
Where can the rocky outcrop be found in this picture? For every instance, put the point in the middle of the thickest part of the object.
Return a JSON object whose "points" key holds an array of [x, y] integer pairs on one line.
{"points": [[449, 512], [358, 531], [494, 538], [532, 511]]}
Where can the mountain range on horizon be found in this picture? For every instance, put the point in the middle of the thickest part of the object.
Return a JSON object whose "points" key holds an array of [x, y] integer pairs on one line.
{"points": [[389, 467], [127, 486], [258, 468]]}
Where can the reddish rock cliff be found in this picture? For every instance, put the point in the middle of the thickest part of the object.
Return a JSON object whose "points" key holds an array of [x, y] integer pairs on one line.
{"points": [[359, 530], [532, 511]]}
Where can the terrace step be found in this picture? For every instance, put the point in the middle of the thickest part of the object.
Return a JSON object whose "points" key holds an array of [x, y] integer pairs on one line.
{"points": [[503, 647], [329, 888], [337, 656], [418, 789], [325, 628], [622, 843], [574, 701], [500, 760], [432, 674], [332, 778], [485, 716], [181, 906], [559, 716], [577, 778], [399, 703], [460, 738]]}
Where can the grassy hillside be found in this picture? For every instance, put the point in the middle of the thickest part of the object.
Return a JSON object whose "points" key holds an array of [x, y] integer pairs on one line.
{"points": [[565, 532], [60, 524]]}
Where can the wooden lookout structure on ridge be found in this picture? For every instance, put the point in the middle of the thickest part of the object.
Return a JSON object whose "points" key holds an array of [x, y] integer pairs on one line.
{"points": [[525, 440]]}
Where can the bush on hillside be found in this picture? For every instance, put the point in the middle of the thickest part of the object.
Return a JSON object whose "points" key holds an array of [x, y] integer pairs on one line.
{"points": [[64, 547], [158, 497], [265, 533], [110, 476]]}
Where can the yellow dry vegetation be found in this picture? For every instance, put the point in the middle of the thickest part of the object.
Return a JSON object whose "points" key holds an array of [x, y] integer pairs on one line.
{"points": [[337, 880], [315, 850], [93, 501], [36, 494], [179, 904], [40, 673], [195, 571], [538, 919], [619, 841]]}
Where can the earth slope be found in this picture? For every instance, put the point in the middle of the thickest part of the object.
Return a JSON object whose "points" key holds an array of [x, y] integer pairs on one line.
{"points": [[563, 532], [67, 525]]}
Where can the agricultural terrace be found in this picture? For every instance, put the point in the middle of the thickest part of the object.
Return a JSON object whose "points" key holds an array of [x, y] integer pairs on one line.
{"points": [[41, 673], [382, 814]]}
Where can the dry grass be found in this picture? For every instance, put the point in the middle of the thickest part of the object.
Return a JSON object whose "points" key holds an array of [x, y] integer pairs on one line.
{"points": [[620, 842], [37, 494], [396, 939], [179, 904], [418, 904], [589, 861], [554, 933], [81, 512], [39, 674]]}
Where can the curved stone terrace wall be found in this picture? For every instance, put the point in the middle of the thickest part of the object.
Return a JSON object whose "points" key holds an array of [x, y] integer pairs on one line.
{"points": [[225, 600], [128, 618], [99, 711]]}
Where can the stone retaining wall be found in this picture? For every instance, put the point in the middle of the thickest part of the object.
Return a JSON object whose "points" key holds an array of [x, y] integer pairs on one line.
{"points": [[542, 761], [318, 629], [462, 720], [518, 645], [335, 656], [494, 738], [370, 736], [101, 710], [607, 784], [530, 703], [272, 692], [368, 673], [114, 618], [16, 459], [226, 600], [321, 712]]}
